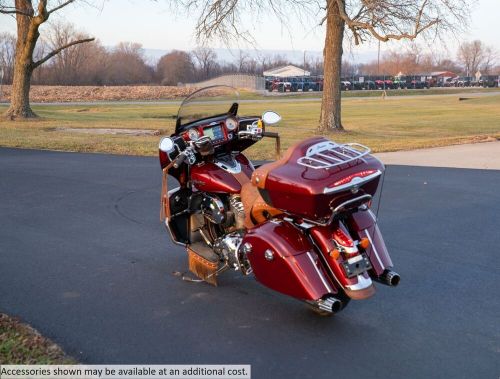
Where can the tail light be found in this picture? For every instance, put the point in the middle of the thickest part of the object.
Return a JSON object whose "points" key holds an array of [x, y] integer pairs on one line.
{"points": [[353, 177], [352, 180], [342, 238], [344, 242]]}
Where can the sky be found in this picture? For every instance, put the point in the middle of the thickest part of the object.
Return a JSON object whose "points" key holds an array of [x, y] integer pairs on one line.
{"points": [[155, 26]]}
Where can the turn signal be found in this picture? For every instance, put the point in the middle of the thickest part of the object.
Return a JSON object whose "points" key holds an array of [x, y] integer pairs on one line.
{"points": [[334, 254], [364, 243]]}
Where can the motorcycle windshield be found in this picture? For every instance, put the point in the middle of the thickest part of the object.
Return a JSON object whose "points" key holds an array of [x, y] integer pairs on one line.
{"points": [[206, 103]]}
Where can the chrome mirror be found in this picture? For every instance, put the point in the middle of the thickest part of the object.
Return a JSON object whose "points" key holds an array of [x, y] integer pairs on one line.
{"points": [[271, 118], [167, 145]]}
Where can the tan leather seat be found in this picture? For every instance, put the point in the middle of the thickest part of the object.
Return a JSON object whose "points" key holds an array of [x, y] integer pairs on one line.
{"points": [[256, 209], [259, 176]]}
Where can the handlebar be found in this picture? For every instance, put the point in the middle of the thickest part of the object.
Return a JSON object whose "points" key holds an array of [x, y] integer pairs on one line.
{"points": [[179, 160]]}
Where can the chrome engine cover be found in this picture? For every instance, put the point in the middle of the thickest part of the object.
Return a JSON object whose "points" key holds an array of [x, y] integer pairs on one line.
{"points": [[227, 248], [213, 209]]}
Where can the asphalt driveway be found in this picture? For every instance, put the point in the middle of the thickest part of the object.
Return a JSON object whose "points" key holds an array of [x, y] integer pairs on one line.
{"points": [[85, 259]]}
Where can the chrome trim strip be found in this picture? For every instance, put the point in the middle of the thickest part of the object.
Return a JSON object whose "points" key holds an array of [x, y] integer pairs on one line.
{"points": [[325, 262], [319, 273], [236, 169], [374, 249], [372, 215], [340, 206], [337, 209], [361, 284], [173, 190], [356, 181]]}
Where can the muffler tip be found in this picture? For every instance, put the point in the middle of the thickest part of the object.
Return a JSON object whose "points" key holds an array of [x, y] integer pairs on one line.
{"points": [[330, 304], [392, 278], [389, 278], [336, 306]]}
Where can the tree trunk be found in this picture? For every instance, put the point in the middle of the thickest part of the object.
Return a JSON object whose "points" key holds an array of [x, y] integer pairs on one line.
{"points": [[19, 101], [331, 102], [27, 36]]}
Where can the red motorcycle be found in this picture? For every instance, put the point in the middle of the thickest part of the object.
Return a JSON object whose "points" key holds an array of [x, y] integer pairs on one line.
{"points": [[301, 224]]}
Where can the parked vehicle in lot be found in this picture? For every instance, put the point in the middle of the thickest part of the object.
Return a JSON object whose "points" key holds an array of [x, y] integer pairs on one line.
{"points": [[369, 85], [356, 85], [302, 225], [280, 85], [300, 84], [345, 85], [380, 84], [418, 84], [463, 81], [489, 81], [400, 82], [389, 84]]}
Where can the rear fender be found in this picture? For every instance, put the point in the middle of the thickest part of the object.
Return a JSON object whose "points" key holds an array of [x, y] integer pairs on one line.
{"points": [[357, 287], [364, 224]]}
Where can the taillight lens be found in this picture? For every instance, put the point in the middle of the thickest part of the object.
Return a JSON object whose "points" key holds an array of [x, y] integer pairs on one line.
{"points": [[342, 238], [350, 178]]}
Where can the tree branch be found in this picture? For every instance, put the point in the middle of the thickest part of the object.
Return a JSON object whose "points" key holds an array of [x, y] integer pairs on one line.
{"points": [[14, 10], [58, 50], [42, 15], [355, 25], [60, 6]]}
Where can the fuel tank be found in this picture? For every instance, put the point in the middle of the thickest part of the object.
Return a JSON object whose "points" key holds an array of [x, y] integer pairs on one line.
{"points": [[223, 175], [316, 176]]}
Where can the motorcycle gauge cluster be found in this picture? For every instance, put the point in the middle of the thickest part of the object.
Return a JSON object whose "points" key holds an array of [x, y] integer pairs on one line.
{"points": [[231, 124], [193, 134]]}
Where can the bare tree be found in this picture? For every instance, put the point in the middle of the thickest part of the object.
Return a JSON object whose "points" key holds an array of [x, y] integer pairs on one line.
{"points": [[475, 55], [490, 60], [362, 19], [471, 55], [126, 65], [206, 59], [68, 64], [7, 52], [174, 67], [28, 23], [242, 60], [383, 20]]}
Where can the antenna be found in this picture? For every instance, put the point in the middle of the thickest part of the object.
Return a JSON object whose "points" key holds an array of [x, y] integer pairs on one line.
{"points": [[1, 81]]}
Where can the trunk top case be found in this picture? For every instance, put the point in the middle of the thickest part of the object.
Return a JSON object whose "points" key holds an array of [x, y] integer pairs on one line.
{"points": [[298, 189]]}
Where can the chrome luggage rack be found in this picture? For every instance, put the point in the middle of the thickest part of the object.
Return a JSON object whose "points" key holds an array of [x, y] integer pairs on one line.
{"points": [[330, 154]]}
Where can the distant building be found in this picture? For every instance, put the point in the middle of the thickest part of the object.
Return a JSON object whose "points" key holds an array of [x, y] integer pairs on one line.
{"points": [[443, 74], [287, 71]]}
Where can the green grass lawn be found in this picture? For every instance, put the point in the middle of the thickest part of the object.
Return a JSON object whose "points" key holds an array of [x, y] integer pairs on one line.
{"points": [[21, 344], [383, 124]]}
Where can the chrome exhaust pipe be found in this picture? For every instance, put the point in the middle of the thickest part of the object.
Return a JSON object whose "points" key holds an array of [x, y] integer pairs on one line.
{"points": [[330, 304], [389, 278]]}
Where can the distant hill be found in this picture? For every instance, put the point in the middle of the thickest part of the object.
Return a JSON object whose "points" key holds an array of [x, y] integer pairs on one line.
{"points": [[295, 56]]}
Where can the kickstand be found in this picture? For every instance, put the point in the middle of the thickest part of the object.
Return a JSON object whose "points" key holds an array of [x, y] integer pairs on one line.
{"points": [[184, 276]]}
